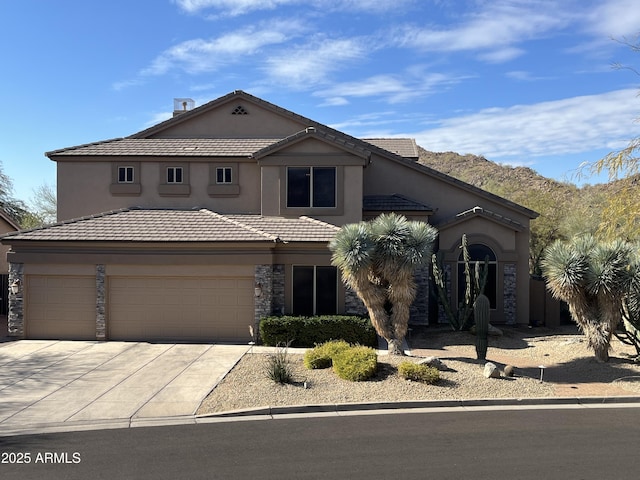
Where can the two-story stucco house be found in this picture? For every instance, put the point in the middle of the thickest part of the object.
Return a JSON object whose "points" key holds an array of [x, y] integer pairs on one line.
{"points": [[197, 227]]}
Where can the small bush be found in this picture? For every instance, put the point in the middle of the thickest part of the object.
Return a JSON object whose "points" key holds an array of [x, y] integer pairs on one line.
{"points": [[278, 367], [356, 363], [418, 373], [322, 355], [310, 331]]}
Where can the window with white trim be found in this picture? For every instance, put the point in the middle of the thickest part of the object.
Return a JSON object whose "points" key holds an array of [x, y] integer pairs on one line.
{"points": [[125, 174], [174, 175], [315, 290], [223, 175], [313, 187]]}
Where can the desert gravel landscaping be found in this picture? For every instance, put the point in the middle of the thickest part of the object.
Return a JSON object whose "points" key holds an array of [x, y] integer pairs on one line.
{"points": [[570, 371]]}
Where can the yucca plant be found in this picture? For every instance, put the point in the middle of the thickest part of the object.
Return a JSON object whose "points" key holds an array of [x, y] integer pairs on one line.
{"points": [[377, 260], [597, 280]]}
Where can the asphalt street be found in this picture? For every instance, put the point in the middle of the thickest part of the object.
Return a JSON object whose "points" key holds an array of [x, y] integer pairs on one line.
{"points": [[564, 443]]}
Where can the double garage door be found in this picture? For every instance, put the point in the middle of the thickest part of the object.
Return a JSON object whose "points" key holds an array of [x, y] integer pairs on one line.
{"points": [[142, 308]]}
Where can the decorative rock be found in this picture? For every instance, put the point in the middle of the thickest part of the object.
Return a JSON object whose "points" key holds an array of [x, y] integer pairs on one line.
{"points": [[491, 370], [509, 371], [433, 362]]}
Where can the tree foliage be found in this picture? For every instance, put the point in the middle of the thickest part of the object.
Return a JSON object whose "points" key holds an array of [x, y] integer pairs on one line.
{"points": [[16, 209], [377, 260], [598, 280], [621, 213]]}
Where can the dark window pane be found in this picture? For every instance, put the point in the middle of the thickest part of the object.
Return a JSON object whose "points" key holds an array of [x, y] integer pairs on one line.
{"points": [[491, 287], [477, 251], [125, 174], [303, 290], [326, 290], [179, 175], [298, 187], [324, 187], [170, 176], [227, 175]]}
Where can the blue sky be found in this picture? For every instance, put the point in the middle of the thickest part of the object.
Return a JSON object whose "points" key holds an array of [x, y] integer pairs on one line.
{"points": [[525, 82]]}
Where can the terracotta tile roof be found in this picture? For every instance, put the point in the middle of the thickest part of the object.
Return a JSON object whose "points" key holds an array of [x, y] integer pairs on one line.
{"points": [[405, 147], [151, 225], [390, 203], [303, 229], [170, 147]]}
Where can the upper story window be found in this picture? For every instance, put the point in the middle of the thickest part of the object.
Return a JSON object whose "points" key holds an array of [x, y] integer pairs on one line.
{"points": [[125, 174], [311, 187], [174, 175], [223, 175]]}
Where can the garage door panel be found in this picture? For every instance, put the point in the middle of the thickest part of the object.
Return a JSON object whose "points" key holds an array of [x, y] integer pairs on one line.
{"points": [[60, 307], [179, 308]]}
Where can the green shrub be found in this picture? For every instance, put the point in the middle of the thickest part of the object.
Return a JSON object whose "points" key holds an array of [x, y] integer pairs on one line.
{"points": [[356, 363], [418, 373], [310, 331], [321, 356], [278, 367]]}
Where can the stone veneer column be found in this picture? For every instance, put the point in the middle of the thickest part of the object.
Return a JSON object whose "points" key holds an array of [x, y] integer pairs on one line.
{"points": [[16, 301], [510, 270], [101, 330], [420, 306], [352, 303], [270, 278], [277, 290]]}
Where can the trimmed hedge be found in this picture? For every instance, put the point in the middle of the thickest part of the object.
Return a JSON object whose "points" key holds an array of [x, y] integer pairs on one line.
{"points": [[356, 363], [322, 355], [418, 373], [311, 331]]}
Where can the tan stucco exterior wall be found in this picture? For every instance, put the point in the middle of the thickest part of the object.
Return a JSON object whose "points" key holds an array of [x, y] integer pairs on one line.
{"points": [[91, 181]]}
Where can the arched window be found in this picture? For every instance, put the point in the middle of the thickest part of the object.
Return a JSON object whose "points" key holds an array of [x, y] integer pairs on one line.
{"points": [[479, 253]]}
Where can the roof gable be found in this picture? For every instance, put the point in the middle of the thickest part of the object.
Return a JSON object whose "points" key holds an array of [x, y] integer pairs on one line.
{"points": [[476, 212], [340, 141]]}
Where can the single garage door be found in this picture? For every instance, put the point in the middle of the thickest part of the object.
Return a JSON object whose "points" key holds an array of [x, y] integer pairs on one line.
{"points": [[60, 307], [180, 308]]}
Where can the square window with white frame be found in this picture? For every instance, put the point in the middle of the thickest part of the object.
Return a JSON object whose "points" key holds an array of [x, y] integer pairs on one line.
{"points": [[224, 175], [125, 174], [174, 175]]}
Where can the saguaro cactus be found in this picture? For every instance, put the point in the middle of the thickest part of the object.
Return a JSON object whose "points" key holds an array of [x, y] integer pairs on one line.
{"points": [[481, 315]]}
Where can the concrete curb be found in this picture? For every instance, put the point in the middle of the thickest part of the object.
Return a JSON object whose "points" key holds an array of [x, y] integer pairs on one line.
{"points": [[424, 404], [343, 409]]}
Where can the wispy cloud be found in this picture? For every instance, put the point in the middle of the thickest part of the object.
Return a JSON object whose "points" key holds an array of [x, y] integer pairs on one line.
{"points": [[391, 88], [559, 127], [234, 8], [492, 30], [206, 55], [614, 18], [307, 65]]}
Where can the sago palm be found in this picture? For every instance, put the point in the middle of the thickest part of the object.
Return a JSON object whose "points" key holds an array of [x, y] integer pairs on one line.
{"points": [[377, 260], [596, 280]]}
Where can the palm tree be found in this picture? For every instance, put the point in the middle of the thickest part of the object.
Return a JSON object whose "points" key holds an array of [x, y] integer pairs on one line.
{"points": [[597, 280], [377, 260]]}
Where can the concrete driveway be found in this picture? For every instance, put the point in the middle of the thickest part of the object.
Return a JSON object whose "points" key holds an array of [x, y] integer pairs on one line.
{"points": [[65, 383]]}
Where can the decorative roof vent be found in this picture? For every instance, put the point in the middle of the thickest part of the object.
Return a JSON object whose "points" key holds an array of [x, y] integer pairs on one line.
{"points": [[239, 110], [182, 105]]}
